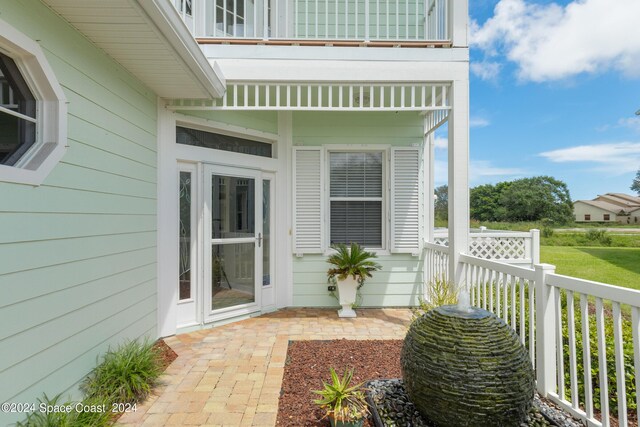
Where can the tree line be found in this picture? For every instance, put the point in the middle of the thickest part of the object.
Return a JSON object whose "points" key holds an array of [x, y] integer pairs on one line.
{"points": [[540, 198]]}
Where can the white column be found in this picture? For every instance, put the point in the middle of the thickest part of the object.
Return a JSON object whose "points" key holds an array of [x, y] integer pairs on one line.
{"points": [[458, 177], [535, 246], [284, 211], [458, 22], [429, 187], [545, 331], [167, 215]]}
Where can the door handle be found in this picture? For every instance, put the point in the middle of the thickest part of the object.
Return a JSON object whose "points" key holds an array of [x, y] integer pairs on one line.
{"points": [[259, 239]]}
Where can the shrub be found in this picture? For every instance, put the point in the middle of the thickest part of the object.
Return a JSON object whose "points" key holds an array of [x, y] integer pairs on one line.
{"points": [[547, 231], [74, 418], [439, 292], [598, 235], [126, 375], [47, 419]]}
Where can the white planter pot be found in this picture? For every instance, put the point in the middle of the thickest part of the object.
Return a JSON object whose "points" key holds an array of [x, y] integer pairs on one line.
{"points": [[347, 290]]}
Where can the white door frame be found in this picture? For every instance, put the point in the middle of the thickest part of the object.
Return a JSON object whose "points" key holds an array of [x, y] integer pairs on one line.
{"points": [[188, 312], [170, 157], [269, 296], [211, 315]]}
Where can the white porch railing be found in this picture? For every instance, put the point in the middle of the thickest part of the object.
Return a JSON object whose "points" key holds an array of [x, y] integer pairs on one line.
{"points": [[359, 20], [555, 317], [436, 261], [507, 290]]}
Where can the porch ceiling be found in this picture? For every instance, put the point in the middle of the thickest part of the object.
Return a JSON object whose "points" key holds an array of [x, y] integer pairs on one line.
{"points": [[149, 39]]}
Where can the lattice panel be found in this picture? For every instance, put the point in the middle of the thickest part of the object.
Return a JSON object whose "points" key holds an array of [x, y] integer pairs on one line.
{"points": [[498, 248], [493, 247], [444, 241]]}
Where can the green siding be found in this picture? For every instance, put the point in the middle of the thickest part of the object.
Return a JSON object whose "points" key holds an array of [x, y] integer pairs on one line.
{"points": [[399, 282], [312, 128], [78, 270]]}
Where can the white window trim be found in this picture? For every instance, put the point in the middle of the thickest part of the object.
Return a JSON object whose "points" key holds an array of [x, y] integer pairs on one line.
{"points": [[51, 107], [386, 196]]}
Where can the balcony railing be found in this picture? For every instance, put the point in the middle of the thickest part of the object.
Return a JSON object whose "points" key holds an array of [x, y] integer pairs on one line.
{"points": [[319, 20]]}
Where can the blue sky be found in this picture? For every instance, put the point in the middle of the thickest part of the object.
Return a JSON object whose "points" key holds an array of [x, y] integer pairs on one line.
{"points": [[554, 91]]}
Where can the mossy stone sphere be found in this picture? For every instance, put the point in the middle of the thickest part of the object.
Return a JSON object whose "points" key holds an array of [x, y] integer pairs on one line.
{"points": [[467, 368]]}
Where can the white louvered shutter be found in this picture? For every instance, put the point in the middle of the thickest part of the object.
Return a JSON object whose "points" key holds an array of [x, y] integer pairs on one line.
{"points": [[307, 187], [405, 200]]}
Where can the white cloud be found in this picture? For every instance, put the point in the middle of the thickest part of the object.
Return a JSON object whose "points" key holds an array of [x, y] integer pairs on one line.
{"points": [[441, 143], [617, 158], [480, 172], [551, 42], [482, 169], [631, 123], [486, 70], [478, 122]]}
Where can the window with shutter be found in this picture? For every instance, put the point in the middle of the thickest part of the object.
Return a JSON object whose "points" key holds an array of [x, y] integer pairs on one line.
{"points": [[356, 198], [405, 200], [308, 191]]}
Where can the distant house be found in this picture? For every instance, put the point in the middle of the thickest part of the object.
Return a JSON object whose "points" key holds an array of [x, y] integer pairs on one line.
{"points": [[610, 207]]}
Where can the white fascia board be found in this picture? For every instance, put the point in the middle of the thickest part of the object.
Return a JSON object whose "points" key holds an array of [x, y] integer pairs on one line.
{"points": [[263, 70], [164, 15], [231, 51]]}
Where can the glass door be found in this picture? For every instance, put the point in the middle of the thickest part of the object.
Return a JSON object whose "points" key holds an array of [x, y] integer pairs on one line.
{"points": [[233, 240]]}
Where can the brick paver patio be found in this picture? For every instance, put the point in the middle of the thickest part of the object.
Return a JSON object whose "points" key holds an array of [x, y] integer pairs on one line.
{"points": [[231, 375]]}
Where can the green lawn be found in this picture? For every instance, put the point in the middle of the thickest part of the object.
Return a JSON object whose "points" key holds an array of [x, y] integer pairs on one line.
{"points": [[615, 266]]}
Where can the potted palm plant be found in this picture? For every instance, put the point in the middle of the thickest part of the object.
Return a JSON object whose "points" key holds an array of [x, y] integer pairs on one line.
{"points": [[350, 267], [345, 405]]}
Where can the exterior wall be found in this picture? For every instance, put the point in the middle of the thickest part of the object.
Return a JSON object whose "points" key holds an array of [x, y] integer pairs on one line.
{"points": [[78, 270], [398, 129], [399, 283], [597, 214]]}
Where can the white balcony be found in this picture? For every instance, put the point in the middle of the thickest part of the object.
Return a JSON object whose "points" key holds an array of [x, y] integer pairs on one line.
{"points": [[421, 22]]}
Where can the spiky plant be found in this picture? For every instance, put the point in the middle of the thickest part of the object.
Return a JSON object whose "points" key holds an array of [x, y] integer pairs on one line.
{"points": [[127, 374], [351, 261], [342, 401]]}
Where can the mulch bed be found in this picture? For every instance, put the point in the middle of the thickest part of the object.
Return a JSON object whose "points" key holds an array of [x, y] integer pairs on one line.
{"points": [[308, 363], [167, 355]]}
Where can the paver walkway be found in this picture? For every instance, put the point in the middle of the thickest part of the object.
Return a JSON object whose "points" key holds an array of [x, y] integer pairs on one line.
{"points": [[231, 375]]}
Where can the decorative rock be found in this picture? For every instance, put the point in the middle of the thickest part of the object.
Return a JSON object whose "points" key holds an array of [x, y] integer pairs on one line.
{"points": [[381, 393], [467, 368]]}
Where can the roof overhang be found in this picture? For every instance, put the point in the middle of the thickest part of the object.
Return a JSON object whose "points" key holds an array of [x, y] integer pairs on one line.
{"points": [[149, 39]]}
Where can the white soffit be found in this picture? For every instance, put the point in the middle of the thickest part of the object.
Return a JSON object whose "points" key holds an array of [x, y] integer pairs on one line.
{"points": [[149, 39]]}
